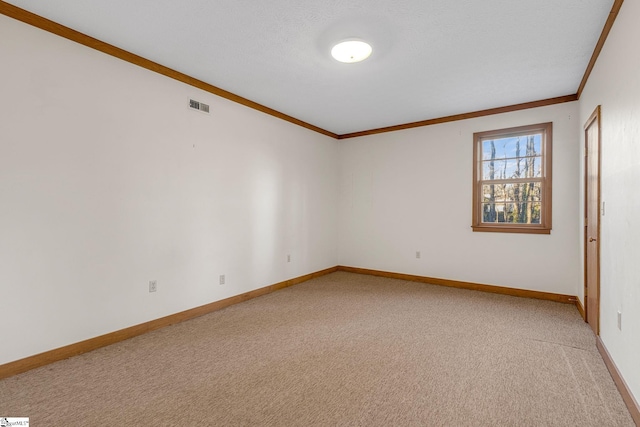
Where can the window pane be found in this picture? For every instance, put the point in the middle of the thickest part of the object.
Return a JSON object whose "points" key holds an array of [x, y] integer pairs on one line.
{"points": [[517, 146], [510, 175], [528, 167], [512, 193], [511, 213]]}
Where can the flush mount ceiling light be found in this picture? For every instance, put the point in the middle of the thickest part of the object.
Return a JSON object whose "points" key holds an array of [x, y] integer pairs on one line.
{"points": [[351, 51]]}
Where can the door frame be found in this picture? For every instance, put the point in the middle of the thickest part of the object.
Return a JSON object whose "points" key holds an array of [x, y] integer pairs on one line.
{"points": [[595, 116]]}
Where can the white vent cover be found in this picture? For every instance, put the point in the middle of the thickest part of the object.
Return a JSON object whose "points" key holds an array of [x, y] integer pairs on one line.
{"points": [[196, 105]]}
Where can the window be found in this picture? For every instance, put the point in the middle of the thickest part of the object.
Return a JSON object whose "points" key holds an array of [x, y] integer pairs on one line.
{"points": [[512, 180]]}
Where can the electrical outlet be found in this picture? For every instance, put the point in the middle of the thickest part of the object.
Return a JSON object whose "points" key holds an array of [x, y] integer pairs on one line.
{"points": [[418, 254], [153, 285], [619, 320], [222, 279], [288, 258]]}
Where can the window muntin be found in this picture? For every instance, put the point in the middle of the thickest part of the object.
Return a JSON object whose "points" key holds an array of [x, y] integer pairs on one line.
{"points": [[512, 180]]}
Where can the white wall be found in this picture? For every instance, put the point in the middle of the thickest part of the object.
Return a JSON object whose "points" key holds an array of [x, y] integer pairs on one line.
{"points": [[615, 84], [411, 191], [108, 180]]}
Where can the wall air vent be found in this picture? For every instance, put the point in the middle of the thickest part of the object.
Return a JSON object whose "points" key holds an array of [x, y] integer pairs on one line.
{"points": [[198, 106]]}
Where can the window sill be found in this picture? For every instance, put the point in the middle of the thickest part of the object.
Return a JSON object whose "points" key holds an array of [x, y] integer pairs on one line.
{"points": [[511, 229]]}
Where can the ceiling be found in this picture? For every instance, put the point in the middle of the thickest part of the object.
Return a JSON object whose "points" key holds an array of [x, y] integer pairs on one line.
{"points": [[431, 58]]}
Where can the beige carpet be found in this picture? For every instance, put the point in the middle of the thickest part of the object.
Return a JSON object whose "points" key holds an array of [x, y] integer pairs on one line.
{"points": [[340, 350]]}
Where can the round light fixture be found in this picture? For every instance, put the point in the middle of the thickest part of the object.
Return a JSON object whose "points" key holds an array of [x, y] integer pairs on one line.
{"points": [[351, 51]]}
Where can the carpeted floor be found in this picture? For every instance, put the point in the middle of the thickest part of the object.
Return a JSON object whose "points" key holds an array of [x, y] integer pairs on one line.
{"points": [[340, 350]]}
